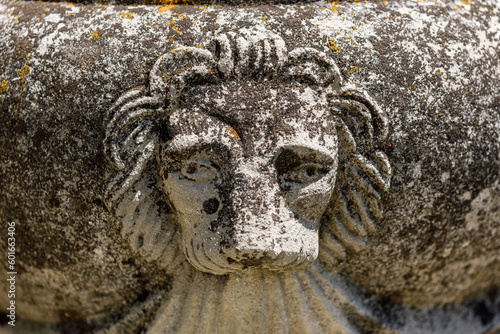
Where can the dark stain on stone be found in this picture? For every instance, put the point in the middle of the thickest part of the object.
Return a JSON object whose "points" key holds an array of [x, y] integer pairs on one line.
{"points": [[74, 327], [210, 206], [40, 136], [23, 47], [54, 202], [483, 313], [19, 126]]}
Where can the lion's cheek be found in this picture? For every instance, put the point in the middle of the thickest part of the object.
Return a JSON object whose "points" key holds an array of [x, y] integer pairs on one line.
{"points": [[196, 203]]}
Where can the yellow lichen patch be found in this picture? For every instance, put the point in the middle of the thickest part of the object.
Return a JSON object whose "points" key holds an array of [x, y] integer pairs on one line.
{"points": [[231, 132], [333, 8], [349, 37], [126, 15], [23, 71], [3, 86], [354, 69], [94, 35], [332, 45], [164, 8], [264, 18], [467, 2]]}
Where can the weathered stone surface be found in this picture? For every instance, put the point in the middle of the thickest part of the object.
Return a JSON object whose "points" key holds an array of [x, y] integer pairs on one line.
{"points": [[431, 68]]}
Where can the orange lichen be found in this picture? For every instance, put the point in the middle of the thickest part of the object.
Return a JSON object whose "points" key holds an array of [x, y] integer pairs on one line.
{"points": [[231, 132], [126, 15], [23, 71], [3, 86], [354, 69], [264, 18], [94, 35], [332, 45], [164, 8]]}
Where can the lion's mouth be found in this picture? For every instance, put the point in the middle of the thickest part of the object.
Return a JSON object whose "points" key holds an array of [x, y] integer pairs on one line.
{"points": [[221, 262]]}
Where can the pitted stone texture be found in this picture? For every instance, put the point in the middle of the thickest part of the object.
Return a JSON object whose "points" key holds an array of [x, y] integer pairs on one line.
{"points": [[433, 67]]}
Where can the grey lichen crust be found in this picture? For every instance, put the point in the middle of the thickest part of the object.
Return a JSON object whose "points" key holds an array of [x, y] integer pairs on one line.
{"points": [[132, 204]]}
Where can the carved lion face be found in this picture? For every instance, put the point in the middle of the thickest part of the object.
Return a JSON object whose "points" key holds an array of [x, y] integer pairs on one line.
{"points": [[236, 154], [249, 171]]}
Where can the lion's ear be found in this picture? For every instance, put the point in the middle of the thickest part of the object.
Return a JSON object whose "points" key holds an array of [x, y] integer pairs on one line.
{"points": [[179, 67], [127, 129], [314, 67], [363, 176]]}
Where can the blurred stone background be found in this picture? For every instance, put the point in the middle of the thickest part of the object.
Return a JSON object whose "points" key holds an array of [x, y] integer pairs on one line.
{"points": [[432, 66]]}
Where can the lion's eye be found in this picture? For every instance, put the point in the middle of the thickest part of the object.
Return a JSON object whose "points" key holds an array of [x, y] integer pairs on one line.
{"points": [[196, 170], [306, 173]]}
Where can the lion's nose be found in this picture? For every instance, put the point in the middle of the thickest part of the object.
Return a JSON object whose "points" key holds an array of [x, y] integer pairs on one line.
{"points": [[255, 203]]}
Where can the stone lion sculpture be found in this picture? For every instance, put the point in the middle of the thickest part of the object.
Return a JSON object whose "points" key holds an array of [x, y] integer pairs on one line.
{"points": [[246, 172]]}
